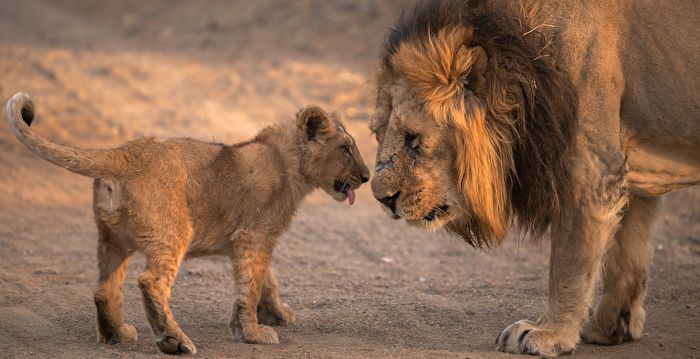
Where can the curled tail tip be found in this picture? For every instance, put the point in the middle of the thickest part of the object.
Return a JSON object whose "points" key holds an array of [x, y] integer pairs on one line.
{"points": [[24, 103]]}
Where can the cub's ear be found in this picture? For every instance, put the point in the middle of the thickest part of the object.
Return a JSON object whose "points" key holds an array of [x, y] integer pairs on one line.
{"points": [[315, 123]]}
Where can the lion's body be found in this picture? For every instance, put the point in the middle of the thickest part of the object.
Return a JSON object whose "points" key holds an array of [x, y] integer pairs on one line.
{"points": [[181, 198], [640, 58], [223, 189], [564, 118]]}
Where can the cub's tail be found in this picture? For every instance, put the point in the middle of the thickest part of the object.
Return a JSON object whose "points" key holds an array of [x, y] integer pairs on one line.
{"points": [[91, 163]]}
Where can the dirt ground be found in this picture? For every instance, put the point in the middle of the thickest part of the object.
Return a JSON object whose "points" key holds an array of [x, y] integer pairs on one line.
{"points": [[361, 284]]}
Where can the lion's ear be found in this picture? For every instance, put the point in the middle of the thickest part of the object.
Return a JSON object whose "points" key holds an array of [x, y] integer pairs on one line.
{"points": [[314, 122], [475, 79]]}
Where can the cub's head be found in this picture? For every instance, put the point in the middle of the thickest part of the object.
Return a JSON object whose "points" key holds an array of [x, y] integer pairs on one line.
{"points": [[332, 160]]}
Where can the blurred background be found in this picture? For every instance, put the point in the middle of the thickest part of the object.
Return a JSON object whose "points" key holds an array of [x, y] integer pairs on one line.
{"points": [[104, 72]]}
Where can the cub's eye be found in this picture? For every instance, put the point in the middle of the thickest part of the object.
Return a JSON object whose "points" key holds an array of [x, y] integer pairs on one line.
{"points": [[412, 144], [346, 150]]}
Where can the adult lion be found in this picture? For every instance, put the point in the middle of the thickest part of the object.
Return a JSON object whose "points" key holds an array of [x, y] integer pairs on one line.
{"points": [[566, 119]]}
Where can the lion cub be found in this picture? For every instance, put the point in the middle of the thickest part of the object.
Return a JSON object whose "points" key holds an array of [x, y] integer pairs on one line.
{"points": [[181, 198]]}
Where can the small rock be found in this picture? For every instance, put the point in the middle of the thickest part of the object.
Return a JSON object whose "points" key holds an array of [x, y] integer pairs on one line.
{"points": [[213, 26]]}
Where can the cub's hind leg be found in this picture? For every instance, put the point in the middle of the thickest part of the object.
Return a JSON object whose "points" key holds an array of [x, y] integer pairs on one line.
{"points": [[164, 256], [620, 314], [112, 259], [251, 262], [271, 310]]}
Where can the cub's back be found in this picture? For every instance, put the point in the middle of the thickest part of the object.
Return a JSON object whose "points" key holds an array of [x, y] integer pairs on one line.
{"points": [[154, 177]]}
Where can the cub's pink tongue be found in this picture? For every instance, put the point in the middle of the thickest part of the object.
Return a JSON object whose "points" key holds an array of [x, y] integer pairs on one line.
{"points": [[351, 196]]}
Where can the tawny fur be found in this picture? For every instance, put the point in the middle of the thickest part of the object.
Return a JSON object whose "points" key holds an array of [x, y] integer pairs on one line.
{"points": [[181, 198], [562, 118]]}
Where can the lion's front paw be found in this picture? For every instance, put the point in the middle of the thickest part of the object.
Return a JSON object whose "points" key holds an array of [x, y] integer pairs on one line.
{"points": [[525, 337], [261, 334], [281, 315], [172, 345], [613, 326], [125, 334]]}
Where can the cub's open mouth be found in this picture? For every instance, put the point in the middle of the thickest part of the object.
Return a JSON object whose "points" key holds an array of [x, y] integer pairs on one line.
{"points": [[437, 212], [345, 188]]}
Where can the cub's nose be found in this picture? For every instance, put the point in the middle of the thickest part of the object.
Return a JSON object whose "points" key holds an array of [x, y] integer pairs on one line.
{"points": [[364, 179], [390, 201]]}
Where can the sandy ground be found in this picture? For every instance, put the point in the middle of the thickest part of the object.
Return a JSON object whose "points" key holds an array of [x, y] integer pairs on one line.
{"points": [[361, 284]]}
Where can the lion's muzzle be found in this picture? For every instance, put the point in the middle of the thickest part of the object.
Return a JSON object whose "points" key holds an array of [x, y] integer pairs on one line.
{"points": [[390, 201]]}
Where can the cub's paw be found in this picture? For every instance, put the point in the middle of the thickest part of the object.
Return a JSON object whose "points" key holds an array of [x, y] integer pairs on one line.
{"points": [[125, 334], [171, 345], [614, 326], [282, 315], [525, 337], [256, 335]]}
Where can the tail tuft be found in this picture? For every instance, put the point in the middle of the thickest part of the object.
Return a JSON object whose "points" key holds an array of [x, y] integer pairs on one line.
{"points": [[91, 163], [28, 113]]}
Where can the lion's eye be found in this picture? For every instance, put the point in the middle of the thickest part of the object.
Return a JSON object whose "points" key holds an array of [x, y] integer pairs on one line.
{"points": [[346, 150], [412, 143]]}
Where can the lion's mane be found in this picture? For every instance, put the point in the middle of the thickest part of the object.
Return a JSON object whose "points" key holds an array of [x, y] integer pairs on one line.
{"points": [[495, 85]]}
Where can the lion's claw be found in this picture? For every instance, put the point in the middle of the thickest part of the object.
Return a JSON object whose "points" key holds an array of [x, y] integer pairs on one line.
{"points": [[170, 345], [525, 337]]}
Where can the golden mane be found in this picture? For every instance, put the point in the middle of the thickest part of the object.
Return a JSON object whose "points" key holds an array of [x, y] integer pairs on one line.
{"points": [[510, 109], [437, 69]]}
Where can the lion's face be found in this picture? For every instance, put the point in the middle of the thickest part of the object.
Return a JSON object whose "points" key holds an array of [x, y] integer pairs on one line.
{"points": [[474, 127], [414, 161], [470, 131], [332, 159], [439, 159]]}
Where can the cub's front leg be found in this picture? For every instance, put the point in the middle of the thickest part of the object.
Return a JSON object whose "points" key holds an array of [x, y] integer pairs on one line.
{"points": [[271, 310], [251, 263]]}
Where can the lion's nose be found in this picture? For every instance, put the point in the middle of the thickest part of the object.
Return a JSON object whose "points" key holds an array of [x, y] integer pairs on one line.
{"points": [[390, 201], [364, 179]]}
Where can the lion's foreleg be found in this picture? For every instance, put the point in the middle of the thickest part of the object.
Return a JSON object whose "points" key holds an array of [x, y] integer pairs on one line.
{"points": [[620, 314], [580, 237], [251, 262], [271, 310], [576, 254]]}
